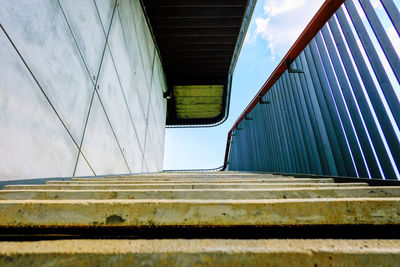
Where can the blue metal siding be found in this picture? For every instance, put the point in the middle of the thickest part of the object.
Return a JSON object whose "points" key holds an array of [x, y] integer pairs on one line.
{"points": [[341, 115]]}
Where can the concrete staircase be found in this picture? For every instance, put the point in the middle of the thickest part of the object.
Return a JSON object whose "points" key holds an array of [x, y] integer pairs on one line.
{"points": [[186, 219]]}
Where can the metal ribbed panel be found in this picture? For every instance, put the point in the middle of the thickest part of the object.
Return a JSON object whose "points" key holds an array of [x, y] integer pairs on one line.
{"points": [[335, 110]]}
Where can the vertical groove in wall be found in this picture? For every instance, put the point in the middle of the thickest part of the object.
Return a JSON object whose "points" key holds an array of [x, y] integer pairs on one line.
{"points": [[148, 108], [121, 87], [149, 85], [76, 43], [91, 100], [83, 135], [140, 52], [93, 95], [113, 131], [97, 87]]}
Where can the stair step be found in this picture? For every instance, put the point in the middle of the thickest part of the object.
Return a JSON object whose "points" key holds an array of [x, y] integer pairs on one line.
{"points": [[273, 193], [160, 179], [178, 186], [202, 175], [198, 213], [198, 181], [196, 252]]}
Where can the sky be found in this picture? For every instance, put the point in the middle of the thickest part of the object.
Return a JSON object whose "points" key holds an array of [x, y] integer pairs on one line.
{"points": [[274, 27]]}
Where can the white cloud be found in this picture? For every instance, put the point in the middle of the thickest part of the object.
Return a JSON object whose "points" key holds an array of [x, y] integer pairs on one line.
{"points": [[275, 8], [282, 23]]}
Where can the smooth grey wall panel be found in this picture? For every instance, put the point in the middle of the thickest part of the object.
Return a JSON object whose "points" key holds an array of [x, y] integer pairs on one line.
{"points": [[120, 53], [138, 117], [138, 96], [157, 100], [137, 78], [141, 86], [105, 9], [40, 33], [157, 115], [154, 135], [84, 21], [150, 156], [110, 93], [82, 167], [146, 49], [73, 47], [25, 118], [100, 145], [135, 122]]}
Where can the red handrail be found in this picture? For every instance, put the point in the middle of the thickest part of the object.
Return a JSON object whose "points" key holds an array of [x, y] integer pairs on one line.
{"points": [[326, 11]]}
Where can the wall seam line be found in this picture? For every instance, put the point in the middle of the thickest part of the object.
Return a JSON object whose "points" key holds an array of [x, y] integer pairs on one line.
{"points": [[40, 87], [101, 102], [123, 94], [126, 103]]}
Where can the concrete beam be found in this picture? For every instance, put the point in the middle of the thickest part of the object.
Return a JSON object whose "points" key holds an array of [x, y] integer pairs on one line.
{"points": [[198, 213], [202, 252], [174, 186], [274, 193]]}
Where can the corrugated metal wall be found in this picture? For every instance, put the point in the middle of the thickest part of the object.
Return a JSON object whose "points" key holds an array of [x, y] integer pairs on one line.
{"points": [[337, 112]]}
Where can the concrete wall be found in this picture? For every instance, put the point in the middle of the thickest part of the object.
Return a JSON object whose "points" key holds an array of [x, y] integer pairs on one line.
{"points": [[81, 89]]}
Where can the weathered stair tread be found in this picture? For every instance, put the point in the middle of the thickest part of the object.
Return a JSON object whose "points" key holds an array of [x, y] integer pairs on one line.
{"points": [[198, 213], [178, 186], [212, 173], [278, 193], [202, 252], [203, 175], [132, 178], [189, 181]]}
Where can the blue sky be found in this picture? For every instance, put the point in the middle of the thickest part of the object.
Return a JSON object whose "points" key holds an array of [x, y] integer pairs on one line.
{"points": [[274, 27]]}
